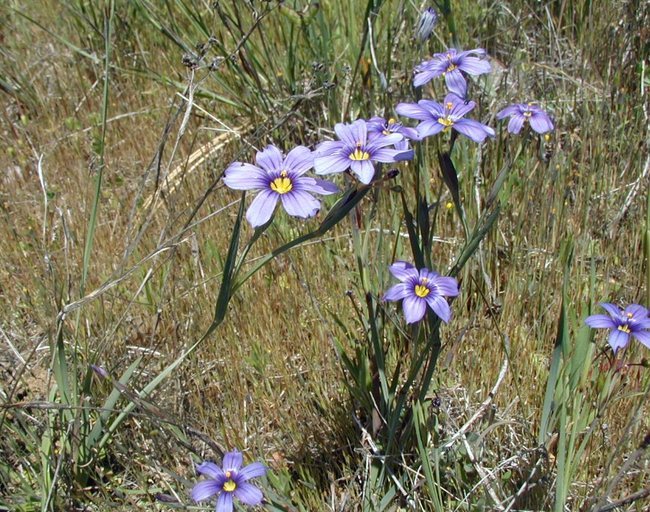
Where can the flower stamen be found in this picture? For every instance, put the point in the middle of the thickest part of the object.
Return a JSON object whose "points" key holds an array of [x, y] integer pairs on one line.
{"points": [[624, 328], [446, 122], [359, 154], [282, 184], [229, 486], [421, 291]]}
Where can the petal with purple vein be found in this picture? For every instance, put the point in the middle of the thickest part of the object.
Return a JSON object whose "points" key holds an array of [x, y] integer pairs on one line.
{"points": [[299, 160], [300, 204], [414, 309], [258, 214], [269, 159]]}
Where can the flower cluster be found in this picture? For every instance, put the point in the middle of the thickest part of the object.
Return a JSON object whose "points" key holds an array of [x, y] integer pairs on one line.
{"points": [[453, 66], [633, 321], [359, 149], [362, 144], [279, 178]]}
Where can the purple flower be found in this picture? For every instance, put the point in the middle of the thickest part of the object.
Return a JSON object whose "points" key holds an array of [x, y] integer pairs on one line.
{"points": [[426, 23], [632, 321], [279, 178], [436, 118], [451, 64], [521, 112], [419, 289], [229, 481], [379, 127], [100, 370], [356, 151]]}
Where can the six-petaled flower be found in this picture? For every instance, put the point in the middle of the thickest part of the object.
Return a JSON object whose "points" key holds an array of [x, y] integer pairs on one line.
{"points": [[451, 64], [279, 178], [228, 482], [522, 113], [356, 151], [419, 289], [435, 117], [632, 321]]}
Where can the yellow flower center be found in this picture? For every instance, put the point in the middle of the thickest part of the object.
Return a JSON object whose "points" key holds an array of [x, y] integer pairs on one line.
{"points": [[528, 113], [390, 122], [282, 184], [445, 121], [421, 291], [450, 68], [359, 154], [624, 328], [229, 486]]}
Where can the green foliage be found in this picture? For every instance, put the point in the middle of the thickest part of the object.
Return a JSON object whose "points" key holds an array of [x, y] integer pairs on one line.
{"points": [[120, 253]]}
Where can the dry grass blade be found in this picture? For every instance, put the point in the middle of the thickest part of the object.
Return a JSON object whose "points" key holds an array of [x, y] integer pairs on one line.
{"points": [[193, 162]]}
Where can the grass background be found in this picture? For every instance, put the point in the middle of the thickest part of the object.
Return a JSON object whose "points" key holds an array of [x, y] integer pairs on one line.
{"points": [[142, 119]]}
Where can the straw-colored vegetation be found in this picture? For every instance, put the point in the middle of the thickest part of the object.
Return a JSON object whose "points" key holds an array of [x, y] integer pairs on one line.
{"points": [[117, 122]]}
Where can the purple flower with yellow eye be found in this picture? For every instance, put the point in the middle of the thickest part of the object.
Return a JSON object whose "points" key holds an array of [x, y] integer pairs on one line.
{"points": [[632, 321], [228, 482], [451, 64], [379, 127], [356, 151], [419, 289], [279, 178], [435, 117], [522, 113]]}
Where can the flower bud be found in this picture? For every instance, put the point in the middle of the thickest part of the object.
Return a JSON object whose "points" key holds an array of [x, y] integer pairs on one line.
{"points": [[426, 24]]}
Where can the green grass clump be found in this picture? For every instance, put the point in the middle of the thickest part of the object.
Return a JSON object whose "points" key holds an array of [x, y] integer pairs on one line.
{"points": [[122, 249]]}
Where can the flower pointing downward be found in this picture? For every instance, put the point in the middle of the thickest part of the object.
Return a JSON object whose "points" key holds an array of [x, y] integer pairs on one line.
{"points": [[522, 113]]}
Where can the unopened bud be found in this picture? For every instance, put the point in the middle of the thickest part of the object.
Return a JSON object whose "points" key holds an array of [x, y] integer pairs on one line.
{"points": [[99, 371], [426, 24]]}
